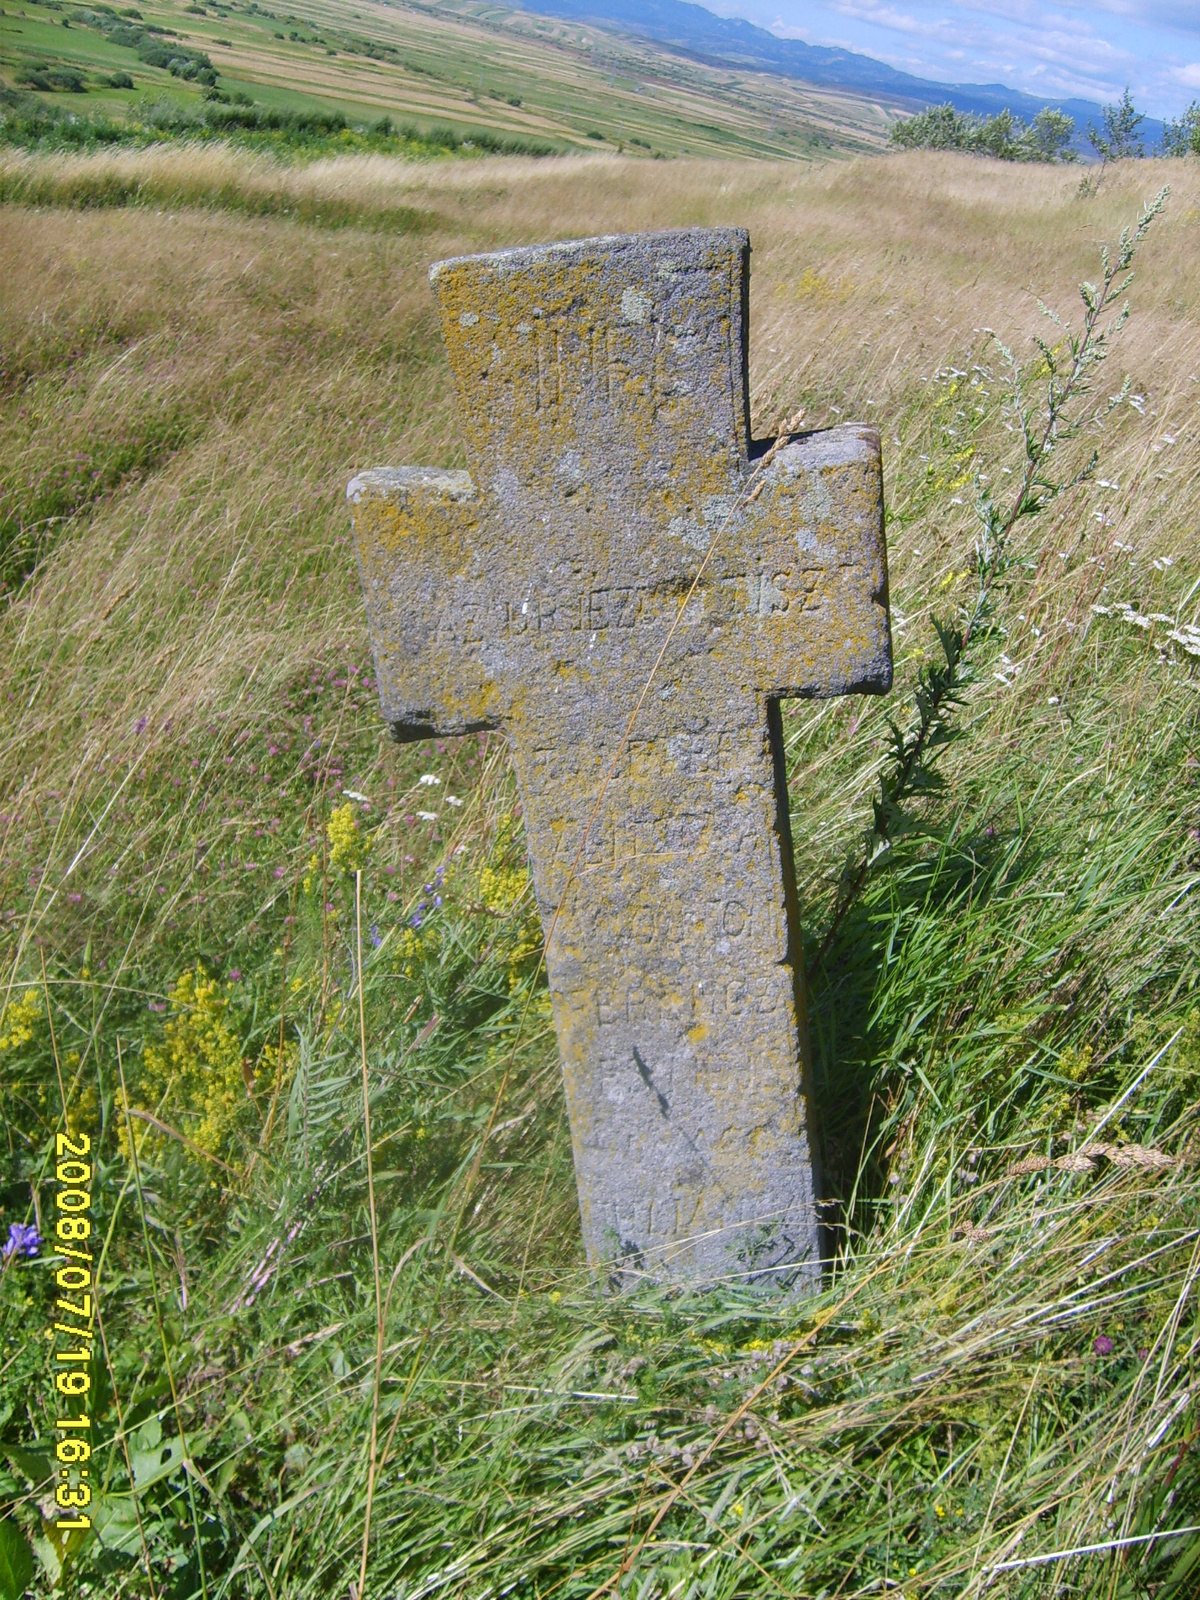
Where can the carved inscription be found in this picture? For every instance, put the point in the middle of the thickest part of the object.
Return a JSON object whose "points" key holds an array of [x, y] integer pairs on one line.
{"points": [[637, 363]]}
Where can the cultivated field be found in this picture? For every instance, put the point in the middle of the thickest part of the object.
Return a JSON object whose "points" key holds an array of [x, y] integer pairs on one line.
{"points": [[468, 66], [199, 349]]}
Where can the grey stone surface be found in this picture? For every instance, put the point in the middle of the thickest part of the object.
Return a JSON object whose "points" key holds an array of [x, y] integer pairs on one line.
{"points": [[549, 591]]}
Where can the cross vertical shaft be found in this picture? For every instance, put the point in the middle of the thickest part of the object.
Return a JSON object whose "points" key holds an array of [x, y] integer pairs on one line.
{"points": [[617, 547]]}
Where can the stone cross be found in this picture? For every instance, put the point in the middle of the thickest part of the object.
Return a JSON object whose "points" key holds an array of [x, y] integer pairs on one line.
{"points": [[614, 547]]}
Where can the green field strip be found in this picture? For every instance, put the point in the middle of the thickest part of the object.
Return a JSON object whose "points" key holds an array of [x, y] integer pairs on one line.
{"points": [[456, 65]]}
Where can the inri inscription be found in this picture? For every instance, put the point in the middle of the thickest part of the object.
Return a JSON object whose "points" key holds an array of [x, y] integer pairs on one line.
{"points": [[603, 404]]}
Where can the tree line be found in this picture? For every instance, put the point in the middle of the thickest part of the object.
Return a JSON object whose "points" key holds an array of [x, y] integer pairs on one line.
{"points": [[1049, 137]]}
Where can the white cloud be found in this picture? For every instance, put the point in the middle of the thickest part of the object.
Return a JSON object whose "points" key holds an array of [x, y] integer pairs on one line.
{"points": [[1086, 48], [1068, 56], [1190, 75], [1181, 15]]}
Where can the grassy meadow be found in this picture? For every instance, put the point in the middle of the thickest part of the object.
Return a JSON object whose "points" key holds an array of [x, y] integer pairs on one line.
{"points": [[995, 1391]]}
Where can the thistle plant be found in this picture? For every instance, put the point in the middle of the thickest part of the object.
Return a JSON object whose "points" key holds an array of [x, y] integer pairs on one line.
{"points": [[1048, 407]]}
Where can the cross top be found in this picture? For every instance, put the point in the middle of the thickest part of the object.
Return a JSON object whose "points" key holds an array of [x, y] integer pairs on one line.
{"points": [[604, 539]]}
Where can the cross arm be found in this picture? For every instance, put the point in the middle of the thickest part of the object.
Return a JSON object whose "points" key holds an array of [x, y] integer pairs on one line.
{"points": [[807, 569], [415, 531]]}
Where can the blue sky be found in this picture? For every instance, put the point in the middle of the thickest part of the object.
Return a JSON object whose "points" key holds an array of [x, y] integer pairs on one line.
{"points": [[1087, 48]]}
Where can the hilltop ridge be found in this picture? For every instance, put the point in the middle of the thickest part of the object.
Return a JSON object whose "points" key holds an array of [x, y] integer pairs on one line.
{"points": [[692, 29]]}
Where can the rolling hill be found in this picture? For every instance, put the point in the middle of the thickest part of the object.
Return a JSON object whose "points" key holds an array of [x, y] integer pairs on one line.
{"points": [[729, 41], [460, 71]]}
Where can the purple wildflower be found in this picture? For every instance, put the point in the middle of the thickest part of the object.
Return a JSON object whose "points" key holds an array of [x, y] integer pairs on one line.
{"points": [[1102, 1345], [23, 1239], [375, 938], [235, 975]]}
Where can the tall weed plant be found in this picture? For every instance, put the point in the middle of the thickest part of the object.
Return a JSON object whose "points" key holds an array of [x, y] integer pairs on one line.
{"points": [[288, 975]]}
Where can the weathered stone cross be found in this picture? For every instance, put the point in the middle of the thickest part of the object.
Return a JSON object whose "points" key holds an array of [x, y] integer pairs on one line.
{"points": [[603, 400]]}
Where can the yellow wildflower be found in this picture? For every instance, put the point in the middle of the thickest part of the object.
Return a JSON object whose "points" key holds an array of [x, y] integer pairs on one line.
{"points": [[198, 1068], [347, 845], [17, 1019]]}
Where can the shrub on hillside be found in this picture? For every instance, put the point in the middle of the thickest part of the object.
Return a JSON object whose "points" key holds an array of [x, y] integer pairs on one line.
{"points": [[1182, 137], [152, 44], [1117, 138], [50, 79], [30, 124], [1047, 138]]}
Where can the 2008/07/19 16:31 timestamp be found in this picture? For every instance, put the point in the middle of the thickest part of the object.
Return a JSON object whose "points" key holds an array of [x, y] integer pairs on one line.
{"points": [[73, 1320]]}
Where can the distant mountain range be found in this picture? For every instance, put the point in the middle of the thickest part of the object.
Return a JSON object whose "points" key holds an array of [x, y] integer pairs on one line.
{"points": [[727, 41]]}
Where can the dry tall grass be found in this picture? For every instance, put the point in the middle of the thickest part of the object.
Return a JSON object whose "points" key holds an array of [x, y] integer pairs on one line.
{"points": [[199, 350], [243, 369]]}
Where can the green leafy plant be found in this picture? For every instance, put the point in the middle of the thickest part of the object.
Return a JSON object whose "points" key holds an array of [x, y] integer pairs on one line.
{"points": [[1047, 405], [1181, 136], [1046, 139], [1117, 138], [16, 1561]]}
